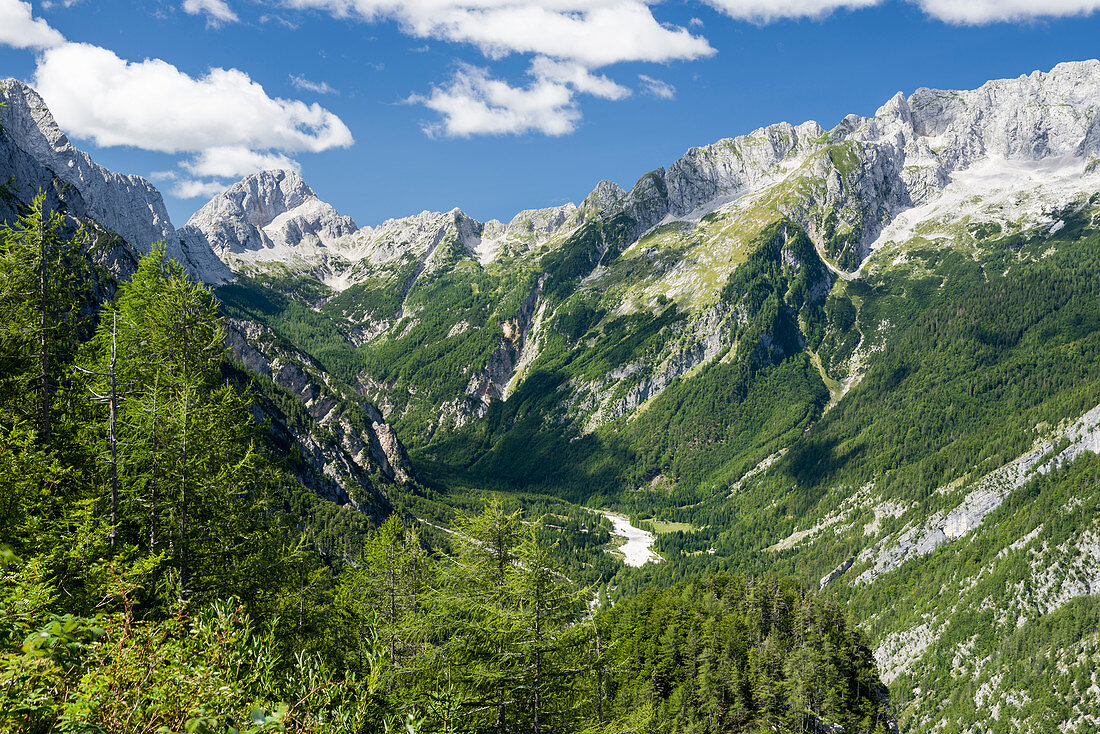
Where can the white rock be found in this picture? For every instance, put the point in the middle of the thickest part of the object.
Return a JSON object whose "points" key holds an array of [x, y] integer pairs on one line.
{"points": [[268, 217], [130, 206]]}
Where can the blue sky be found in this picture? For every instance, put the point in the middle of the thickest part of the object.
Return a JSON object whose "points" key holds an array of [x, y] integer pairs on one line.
{"points": [[389, 107]]}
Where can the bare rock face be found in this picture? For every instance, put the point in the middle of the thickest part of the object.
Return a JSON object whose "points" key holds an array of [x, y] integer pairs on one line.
{"points": [[270, 216], [38, 155], [360, 453]]}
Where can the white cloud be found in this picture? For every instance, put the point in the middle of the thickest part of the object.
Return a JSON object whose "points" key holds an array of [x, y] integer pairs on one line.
{"points": [[567, 40], [595, 37], [977, 12], [475, 104], [207, 173], [230, 124], [971, 12], [592, 32], [234, 162], [768, 11], [657, 88], [151, 104], [190, 189], [577, 77], [20, 29], [217, 11], [308, 85]]}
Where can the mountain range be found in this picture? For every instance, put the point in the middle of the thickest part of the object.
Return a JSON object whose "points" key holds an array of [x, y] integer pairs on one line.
{"points": [[867, 356]]}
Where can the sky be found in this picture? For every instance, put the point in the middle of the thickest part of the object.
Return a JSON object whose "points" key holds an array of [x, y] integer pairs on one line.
{"points": [[391, 107]]}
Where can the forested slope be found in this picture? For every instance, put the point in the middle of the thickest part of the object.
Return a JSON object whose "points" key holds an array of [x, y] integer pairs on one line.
{"points": [[155, 572], [841, 354]]}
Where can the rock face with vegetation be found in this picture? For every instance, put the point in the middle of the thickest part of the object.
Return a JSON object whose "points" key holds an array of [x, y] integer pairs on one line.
{"points": [[867, 358], [848, 352], [343, 449]]}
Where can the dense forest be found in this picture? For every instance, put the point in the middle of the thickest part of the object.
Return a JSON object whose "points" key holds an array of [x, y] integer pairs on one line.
{"points": [[161, 570]]}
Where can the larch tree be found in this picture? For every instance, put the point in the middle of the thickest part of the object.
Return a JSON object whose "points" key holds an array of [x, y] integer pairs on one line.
{"points": [[188, 473], [42, 277]]}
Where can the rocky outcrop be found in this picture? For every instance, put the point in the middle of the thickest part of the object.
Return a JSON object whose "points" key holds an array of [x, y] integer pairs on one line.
{"points": [[350, 451], [985, 496], [526, 231], [697, 343], [493, 382], [269, 217], [37, 155]]}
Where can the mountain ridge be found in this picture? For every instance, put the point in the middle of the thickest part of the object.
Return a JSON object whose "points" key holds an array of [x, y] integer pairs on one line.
{"points": [[127, 205], [867, 357], [919, 142]]}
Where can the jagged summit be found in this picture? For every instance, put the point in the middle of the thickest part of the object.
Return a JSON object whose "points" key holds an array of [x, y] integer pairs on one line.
{"points": [[259, 198], [274, 219], [269, 216], [39, 156], [902, 157]]}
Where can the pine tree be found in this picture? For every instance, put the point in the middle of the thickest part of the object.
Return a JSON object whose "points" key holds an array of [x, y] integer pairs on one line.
{"points": [[477, 593], [547, 647], [383, 594]]}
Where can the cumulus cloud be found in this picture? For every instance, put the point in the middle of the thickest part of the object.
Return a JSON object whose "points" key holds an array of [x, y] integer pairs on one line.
{"points": [[216, 11], [308, 85], [193, 189], [206, 174], [474, 103], [567, 40], [578, 77], [20, 29], [151, 104], [227, 121], [593, 32], [768, 11], [235, 162], [657, 88], [970, 12], [977, 12]]}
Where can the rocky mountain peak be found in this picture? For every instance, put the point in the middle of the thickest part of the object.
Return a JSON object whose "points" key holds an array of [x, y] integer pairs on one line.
{"points": [[30, 120], [259, 198], [265, 217], [902, 156], [39, 156], [606, 195], [907, 153]]}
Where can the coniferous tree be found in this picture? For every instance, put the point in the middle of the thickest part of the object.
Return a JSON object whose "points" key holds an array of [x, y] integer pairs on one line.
{"points": [[477, 599], [42, 277], [547, 644], [383, 594], [189, 477]]}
